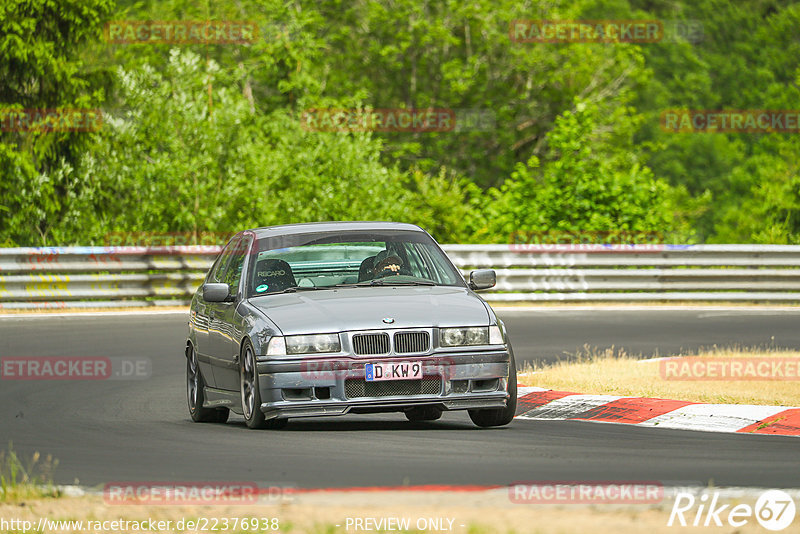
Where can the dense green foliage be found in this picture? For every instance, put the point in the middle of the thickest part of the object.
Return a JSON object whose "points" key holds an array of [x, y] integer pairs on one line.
{"points": [[210, 137]]}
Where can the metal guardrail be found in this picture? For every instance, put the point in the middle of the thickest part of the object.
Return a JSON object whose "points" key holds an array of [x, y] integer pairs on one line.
{"points": [[61, 277]]}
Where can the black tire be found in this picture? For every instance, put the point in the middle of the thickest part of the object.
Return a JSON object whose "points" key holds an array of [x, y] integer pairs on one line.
{"points": [[423, 413], [500, 416], [251, 394], [195, 394]]}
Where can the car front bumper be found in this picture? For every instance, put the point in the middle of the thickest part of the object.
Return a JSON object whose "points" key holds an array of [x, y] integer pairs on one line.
{"points": [[306, 387]]}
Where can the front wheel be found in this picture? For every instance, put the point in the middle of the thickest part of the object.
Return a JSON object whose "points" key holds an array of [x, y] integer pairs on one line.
{"points": [[195, 393], [500, 416], [251, 394]]}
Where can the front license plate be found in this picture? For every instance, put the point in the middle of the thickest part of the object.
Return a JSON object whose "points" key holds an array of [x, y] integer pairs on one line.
{"points": [[393, 371]]}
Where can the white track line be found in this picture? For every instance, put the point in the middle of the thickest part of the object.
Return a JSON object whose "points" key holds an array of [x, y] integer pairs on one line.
{"points": [[713, 417], [568, 406], [524, 390]]}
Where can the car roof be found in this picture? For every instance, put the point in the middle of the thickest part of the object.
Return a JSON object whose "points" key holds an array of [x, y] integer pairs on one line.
{"points": [[332, 226]]}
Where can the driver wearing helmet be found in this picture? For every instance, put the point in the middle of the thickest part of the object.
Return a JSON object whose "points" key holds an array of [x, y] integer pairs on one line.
{"points": [[387, 263]]}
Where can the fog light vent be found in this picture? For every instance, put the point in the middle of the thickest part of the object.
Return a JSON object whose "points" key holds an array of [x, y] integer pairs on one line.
{"points": [[460, 386], [293, 394], [485, 385]]}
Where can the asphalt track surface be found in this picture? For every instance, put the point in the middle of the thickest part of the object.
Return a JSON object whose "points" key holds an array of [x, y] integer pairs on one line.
{"points": [[114, 431]]}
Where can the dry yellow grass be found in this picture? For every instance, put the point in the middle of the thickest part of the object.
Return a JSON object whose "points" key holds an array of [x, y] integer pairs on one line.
{"points": [[28, 478], [615, 373]]}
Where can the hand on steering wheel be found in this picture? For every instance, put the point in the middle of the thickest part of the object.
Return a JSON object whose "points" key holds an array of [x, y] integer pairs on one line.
{"points": [[391, 268], [388, 266]]}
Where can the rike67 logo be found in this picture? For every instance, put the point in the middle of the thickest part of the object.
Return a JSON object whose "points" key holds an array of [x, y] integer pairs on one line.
{"points": [[774, 510]]}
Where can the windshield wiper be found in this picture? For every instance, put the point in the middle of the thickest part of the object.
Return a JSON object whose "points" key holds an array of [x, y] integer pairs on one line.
{"points": [[302, 288], [388, 282]]}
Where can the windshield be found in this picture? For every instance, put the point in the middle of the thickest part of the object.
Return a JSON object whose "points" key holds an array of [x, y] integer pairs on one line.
{"points": [[348, 259]]}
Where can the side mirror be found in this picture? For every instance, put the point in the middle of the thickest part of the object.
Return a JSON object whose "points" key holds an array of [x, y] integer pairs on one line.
{"points": [[483, 279], [216, 292]]}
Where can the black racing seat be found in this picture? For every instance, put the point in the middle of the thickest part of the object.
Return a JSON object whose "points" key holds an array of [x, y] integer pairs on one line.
{"points": [[365, 270], [273, 275]]}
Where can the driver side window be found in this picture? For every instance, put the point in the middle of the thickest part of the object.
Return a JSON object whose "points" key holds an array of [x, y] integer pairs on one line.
{"points": [[218, 273], [233, 273]]}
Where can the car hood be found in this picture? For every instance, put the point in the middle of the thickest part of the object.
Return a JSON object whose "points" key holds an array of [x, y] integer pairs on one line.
{"points": [[364, 308]]}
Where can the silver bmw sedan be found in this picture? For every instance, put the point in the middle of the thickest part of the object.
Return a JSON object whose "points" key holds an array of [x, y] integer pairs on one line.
{"points": [[326, 319]]}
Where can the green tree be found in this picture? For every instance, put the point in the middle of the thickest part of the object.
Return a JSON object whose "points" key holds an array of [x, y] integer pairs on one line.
{"points": [[172, 162], [42, 67], [459, 55], [582, 188]]}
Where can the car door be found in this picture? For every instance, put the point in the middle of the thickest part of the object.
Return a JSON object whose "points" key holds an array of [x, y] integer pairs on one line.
{"points": [[203, 319], [228, 322]]}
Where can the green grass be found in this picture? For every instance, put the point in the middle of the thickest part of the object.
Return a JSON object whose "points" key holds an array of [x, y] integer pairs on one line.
{"points": [[30, 478]]}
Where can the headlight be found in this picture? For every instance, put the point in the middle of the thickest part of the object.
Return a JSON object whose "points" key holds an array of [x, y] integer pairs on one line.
{"points": [[456, 337], [312, 344]]}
